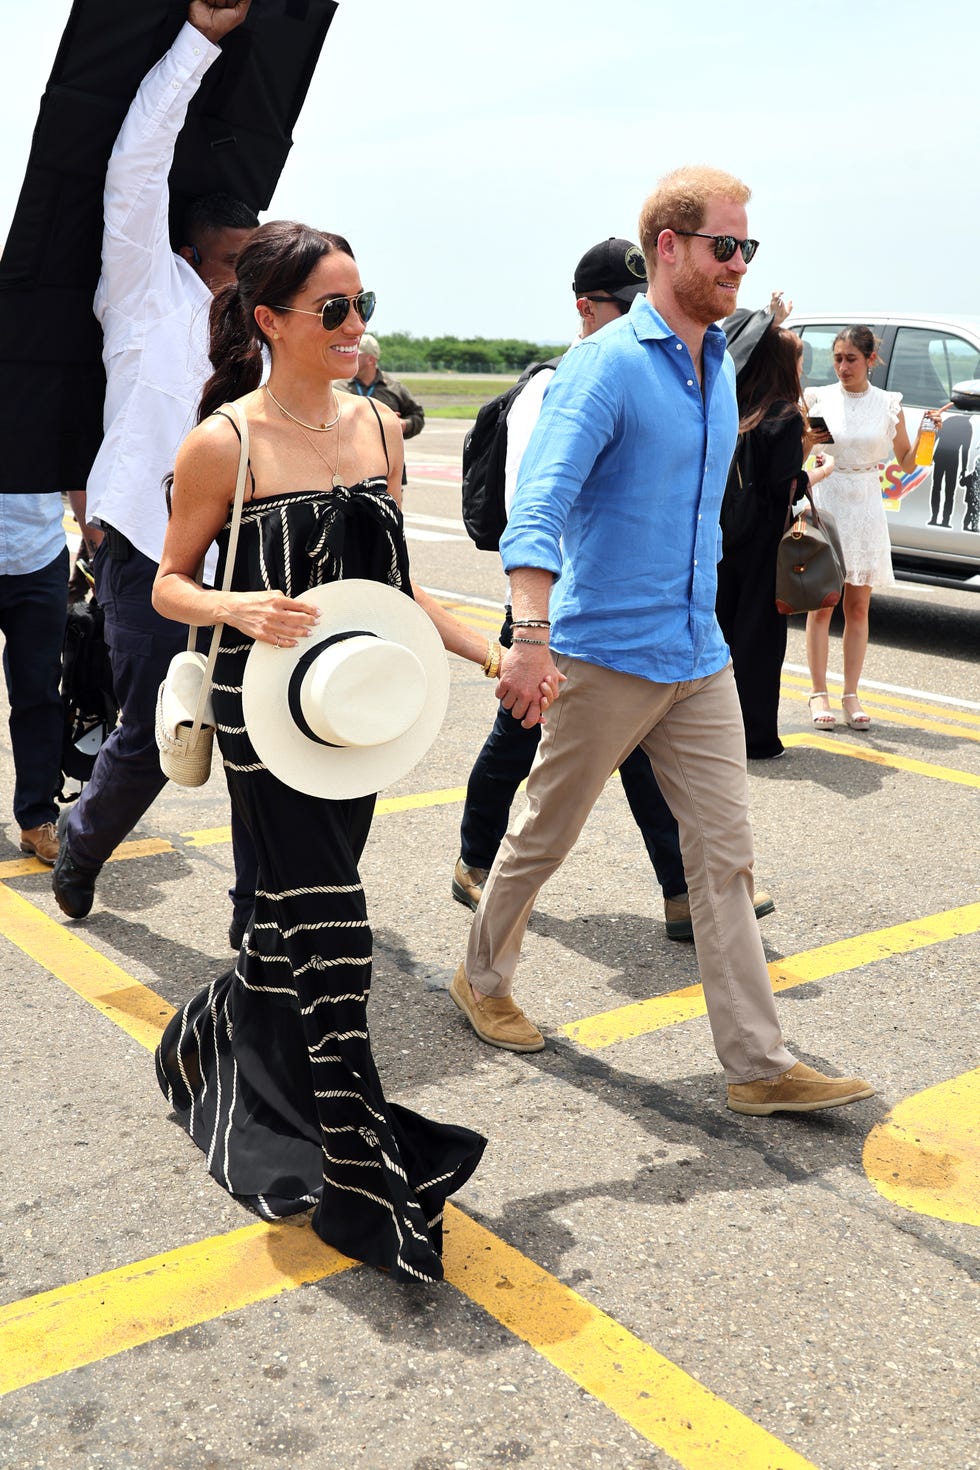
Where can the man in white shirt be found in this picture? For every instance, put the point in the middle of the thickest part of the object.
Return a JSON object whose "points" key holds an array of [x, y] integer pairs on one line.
{"points": [[153, 306]]}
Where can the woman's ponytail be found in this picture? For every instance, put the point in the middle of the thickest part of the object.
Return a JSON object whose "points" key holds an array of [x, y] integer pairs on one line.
{"points": [[235, 351]]}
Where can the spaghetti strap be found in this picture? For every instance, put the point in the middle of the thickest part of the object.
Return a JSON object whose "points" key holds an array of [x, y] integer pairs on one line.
{"points": [[381, 431]]}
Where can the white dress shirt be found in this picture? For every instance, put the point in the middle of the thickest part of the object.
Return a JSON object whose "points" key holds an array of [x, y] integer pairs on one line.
{"points": [[152, 305]]}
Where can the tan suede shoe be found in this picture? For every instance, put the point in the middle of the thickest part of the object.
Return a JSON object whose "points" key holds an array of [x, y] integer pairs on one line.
{"points": [[497, 1020], [468, 884], [41, 842], [800, 1090], [677, 913]]}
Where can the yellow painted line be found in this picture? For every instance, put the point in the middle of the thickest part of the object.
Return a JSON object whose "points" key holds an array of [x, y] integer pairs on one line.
{"points": [[892, 717], [925, 1156], [884, 758], [90, 1320], [660, 1401], [207, 836], [87, 1321], [388, 804], [141, 848], [625, 1023], [790, 683], [93, 1319], [136, 1009]]}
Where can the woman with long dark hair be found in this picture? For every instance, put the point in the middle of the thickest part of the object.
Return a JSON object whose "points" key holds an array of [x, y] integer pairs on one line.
{"points": [[773, 443], [270, 1068]]}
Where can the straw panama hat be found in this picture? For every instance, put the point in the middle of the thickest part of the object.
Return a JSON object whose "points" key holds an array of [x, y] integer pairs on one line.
{"points": [[355, 706]]}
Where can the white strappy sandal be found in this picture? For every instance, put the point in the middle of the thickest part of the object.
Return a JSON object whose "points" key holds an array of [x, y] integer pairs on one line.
{"points": [[858, 720], [823, 719]]}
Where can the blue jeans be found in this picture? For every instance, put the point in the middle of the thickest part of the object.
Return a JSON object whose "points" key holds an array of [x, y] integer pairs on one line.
{"points": [[127, 778], [32, 620], [504, 763]]}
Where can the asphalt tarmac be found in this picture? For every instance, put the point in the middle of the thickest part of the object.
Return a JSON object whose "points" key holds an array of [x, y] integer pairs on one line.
{"points": [[636, 1277]]}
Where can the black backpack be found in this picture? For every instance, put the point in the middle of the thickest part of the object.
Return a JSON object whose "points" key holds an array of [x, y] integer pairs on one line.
{"points": [[90, 706], [484, 463], [740, 506]]}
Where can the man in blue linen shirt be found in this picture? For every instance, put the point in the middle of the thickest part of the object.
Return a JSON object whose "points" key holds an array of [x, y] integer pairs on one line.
{"points": [[618, 503]]}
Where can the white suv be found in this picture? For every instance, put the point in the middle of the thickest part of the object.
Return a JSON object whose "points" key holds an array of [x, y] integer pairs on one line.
{"points": [[934, 514]]}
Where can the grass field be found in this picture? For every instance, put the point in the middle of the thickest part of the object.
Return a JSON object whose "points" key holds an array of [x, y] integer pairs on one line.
{"points": [[452, 395]]}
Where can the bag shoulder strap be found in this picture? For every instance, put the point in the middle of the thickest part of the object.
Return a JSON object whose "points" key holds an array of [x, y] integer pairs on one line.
{"points": [[236, 521]]}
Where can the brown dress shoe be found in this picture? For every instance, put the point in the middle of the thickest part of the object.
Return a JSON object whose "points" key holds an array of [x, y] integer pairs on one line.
{"points": [[468, 884], [41, 842], [497, 1020], [677, 913], [800, 1090]]}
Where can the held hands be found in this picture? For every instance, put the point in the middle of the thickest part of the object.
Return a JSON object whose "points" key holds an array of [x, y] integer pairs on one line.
{"points": [[271, 617], [216, 19], [529, 683]]}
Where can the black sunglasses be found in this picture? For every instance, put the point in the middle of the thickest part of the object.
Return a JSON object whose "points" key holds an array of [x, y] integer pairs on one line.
{"points": [[337, 309], [725, 245]]}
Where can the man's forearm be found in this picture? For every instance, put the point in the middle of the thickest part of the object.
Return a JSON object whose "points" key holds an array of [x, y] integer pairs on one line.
{"points": [[530, 594]]}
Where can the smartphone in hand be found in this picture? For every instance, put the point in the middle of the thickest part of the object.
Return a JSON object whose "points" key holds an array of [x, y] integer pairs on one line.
{"points": [[819, 423]]}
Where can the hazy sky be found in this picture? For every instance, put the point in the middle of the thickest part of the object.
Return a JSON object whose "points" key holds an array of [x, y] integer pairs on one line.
{"points": [[472, 152]]}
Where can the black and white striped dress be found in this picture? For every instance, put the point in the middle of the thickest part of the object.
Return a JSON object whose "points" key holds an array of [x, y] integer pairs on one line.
{"points": [[270, 1067]]}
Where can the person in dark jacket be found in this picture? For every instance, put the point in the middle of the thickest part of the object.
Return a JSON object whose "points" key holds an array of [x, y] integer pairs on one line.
{"points": [[773, 443], [370, 382]]}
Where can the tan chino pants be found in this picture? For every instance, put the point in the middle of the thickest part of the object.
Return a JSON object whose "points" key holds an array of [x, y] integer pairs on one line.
{"points": [[693, 735]]}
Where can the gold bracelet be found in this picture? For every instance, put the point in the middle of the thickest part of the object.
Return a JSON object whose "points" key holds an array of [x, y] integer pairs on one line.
{"points": [[491, 664]]}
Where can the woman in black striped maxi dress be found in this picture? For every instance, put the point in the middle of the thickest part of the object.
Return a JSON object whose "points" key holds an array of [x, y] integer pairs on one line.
{"points": [[270, 1067]]}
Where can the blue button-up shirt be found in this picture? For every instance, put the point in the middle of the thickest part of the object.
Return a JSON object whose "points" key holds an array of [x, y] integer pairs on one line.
{"points": [[619, 496], [32, 532]]}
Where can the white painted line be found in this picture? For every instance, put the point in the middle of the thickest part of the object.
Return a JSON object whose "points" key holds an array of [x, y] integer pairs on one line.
{"points": [[420, 535], [416, 518], [465, 598]]}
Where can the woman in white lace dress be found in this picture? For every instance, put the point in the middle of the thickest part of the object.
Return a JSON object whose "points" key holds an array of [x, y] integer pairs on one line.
{"points": [[867, 427]]}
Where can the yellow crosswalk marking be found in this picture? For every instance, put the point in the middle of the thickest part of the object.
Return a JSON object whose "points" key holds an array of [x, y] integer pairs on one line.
{"points": [[886, 758], [134, 1008], [925, 1156], [93, 1319], [625, 1023]]}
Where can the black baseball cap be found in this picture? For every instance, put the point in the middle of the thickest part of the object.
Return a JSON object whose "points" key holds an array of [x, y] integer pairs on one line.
{"points": [[613, 268]]}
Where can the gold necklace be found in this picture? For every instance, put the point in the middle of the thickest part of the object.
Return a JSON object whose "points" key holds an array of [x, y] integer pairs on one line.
{"points": [[317, 428], [336, 479]]}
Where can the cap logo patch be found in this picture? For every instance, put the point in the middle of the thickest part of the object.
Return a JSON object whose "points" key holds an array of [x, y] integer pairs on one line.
{"points": [[635, 263]]}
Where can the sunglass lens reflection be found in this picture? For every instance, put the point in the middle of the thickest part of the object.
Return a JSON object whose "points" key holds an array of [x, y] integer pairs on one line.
{"points": [[336, 311]]}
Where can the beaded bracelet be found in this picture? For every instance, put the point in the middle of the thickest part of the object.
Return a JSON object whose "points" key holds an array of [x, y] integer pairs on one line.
{"points": [[541, 642]]}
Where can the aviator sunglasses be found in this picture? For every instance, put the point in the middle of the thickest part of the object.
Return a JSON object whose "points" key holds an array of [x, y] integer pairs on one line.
{"points": [[725, 245], [337, 309]]}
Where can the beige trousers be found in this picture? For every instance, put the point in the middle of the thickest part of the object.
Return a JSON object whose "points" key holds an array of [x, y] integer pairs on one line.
{"points": [[693, 735]]}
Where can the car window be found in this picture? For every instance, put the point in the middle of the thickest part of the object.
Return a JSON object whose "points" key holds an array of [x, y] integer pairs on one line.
{"points": [[926, 363], [818, 354]]}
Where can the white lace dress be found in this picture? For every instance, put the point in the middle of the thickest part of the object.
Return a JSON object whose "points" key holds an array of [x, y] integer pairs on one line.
{"points": [[863, 427]]}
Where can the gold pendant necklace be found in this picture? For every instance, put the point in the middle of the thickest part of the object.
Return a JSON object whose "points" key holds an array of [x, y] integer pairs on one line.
{"points": [[316, 428], [336, 479]]}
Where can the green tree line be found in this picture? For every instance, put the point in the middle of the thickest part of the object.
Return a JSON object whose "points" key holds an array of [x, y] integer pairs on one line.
{"points": [[401, 352]]}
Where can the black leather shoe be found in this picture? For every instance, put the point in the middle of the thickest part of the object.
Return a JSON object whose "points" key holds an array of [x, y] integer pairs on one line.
{"points": [[74, 886]]}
